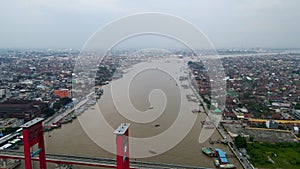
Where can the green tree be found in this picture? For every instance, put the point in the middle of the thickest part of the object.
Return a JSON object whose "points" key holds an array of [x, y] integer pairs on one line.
{"points": [[297, 106], [56, 105], [10, 130], [251, 139], [61, 102], [240, 142], [49, 112]]}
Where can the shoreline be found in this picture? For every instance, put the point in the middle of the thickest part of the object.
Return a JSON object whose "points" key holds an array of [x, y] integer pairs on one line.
{"points": [[184, 148]]}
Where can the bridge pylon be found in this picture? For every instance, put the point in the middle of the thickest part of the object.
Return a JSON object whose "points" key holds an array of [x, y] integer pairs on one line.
{"points": [[33, 134], [122, 142]]}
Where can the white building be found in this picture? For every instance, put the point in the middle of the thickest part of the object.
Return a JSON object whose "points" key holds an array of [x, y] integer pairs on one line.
{"points": [[296, 130]]}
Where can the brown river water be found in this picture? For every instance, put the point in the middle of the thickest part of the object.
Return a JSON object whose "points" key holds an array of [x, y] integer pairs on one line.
{"points": [[143, 78]]}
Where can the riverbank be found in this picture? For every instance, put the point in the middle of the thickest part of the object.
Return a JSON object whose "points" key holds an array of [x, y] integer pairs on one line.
{"points": [[72, 139]]}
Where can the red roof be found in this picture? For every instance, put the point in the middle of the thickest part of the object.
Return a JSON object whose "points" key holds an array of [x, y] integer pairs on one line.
{"points": [[229, 114], [248, 115], [276, 116]]}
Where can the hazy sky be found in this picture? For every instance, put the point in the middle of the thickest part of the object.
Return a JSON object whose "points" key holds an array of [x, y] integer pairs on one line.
{"points": [[227, 23]]}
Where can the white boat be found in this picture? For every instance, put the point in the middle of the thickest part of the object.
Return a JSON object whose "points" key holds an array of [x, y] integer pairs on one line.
{"points": [[227, 166], [217, 163]]}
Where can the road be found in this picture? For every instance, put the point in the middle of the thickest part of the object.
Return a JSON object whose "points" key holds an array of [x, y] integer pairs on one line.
{"points": [[8, 138], [58, 117], [94, 161]]}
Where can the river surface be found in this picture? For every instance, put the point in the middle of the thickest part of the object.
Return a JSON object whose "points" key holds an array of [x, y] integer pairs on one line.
{"points": [[155, 92]]}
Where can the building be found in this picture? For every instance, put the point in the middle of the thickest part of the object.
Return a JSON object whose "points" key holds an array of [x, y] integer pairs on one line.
{"points": [[296, 130], [22, 109], [271, 124], [62, 93]]}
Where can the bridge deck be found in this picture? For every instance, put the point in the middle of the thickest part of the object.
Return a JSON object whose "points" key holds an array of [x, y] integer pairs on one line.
{"points": [[8, 137], [94, 161]]}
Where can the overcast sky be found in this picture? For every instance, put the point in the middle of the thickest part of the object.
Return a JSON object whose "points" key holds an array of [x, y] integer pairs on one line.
{"points": [[227, 23]]}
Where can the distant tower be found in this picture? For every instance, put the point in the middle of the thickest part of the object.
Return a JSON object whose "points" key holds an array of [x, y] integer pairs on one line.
{"points": [[122, 142], [33, 134]]}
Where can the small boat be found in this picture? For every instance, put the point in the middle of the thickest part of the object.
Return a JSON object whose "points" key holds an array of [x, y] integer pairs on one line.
{"points": [[63, 166], [65, 120], [216, 162], [208, 151], [195, 111], [152, 152], [206, 122], [150, 107], [209, 127], [227, 166], [56, 125], [156, 125]]}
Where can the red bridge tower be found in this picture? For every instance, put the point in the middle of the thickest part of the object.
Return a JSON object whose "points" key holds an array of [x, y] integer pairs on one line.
{"points": [[33, 134], [122, 146]]}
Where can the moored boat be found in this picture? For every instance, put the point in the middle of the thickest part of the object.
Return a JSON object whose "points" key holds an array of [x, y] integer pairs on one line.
{"points": [[208, 151], [195, 111], [227, 166], [216, 162]]}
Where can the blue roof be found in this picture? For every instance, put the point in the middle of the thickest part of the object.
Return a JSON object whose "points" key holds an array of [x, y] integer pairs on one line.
{"points": [[224, 160], [221, 153]]}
